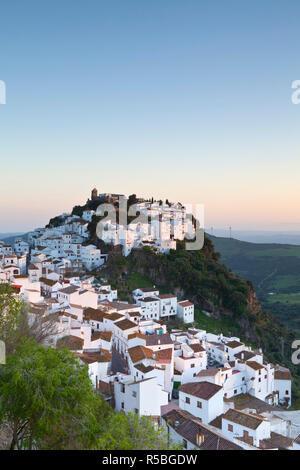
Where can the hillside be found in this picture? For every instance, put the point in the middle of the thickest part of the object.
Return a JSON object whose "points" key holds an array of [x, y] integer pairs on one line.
{"points": [[274, 270], [224, 301], [231, 302]]}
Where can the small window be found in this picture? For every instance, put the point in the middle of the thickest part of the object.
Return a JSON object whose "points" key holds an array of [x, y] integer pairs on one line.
{"points": [[187, 400], [199, 404], [192, 365], [230, 427], [287, 392], [184, 444], [134, 394], [122, 405]]}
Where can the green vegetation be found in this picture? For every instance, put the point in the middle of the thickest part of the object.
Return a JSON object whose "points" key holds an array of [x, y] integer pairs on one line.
{"points": [[131, 432], [135, 279], [46, 397], [290, 299], [273, 268]]}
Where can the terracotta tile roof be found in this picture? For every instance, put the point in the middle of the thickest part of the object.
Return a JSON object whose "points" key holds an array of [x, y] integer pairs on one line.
{"points": [[208, 373], [93, 314], [148, 299], [125, 324], [282, 373], [164, 356], [155, 340], [191, 428], [32, 267], [203, 390], [119, 305], [233, 344], [185, 303], [68, 290], [70, 342], [196, 347], [297, 440], [243, 419], [139, 353], [90, 358], [137, 335], [217, 422], [244, 355], [107, 389], [48, 282], [254, 365], [276, 441], [144, 369], [105, 335], [166, 296], [114, 316]]}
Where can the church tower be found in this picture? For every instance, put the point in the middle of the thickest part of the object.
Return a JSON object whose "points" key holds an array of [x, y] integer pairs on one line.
{"points": [[94, 194]]}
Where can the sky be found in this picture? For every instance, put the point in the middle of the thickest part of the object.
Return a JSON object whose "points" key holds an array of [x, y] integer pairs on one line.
{"points": [[188, 100]]}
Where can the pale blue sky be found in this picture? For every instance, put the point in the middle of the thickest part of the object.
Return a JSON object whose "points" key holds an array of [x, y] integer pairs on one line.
{"points": [[185, 99]]}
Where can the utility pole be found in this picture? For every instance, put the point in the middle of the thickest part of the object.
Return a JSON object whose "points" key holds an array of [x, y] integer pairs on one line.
{"points": [[229, 232], [212, 230]]}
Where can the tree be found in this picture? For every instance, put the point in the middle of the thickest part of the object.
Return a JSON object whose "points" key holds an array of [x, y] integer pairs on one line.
{"points": [[132, 199], [47, 400], [10, 315], [14, 321], [131, 432]]}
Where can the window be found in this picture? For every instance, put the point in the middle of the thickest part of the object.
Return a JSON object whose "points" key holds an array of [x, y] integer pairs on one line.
{"points": [[230, 427], [134, 394], [246, 434], [192, 365], [122, 388], [235, 391], [199, 404], [187, 400], [122, 405], [287, 392], [184, 444]]}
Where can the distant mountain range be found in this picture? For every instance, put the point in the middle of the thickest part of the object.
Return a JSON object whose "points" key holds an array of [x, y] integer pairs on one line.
{"points": [[10, 234], [260, 236], [9, 237]]}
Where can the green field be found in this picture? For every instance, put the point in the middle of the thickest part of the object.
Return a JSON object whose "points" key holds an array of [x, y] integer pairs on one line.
{"points": [[289, 299], [273, 268]]}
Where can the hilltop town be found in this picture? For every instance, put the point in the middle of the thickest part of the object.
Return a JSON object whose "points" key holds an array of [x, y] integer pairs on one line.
{"points": [[208, 390]]}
